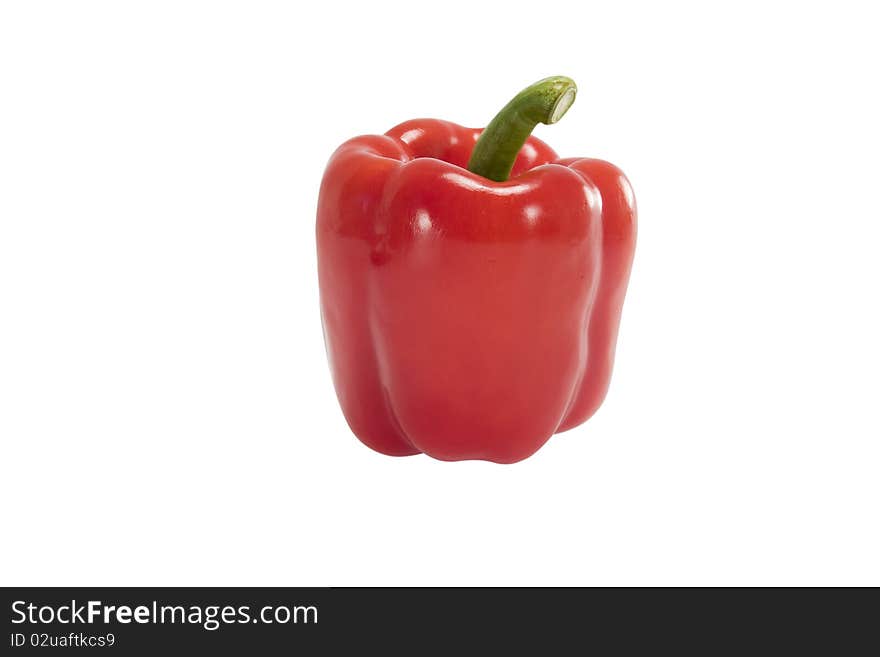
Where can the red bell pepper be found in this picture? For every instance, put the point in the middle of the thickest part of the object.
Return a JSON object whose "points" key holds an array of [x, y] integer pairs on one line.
{"points": [[472, 282]]}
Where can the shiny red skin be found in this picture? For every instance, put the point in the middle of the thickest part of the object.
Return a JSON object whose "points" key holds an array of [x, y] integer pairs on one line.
{"points": [[465, 318]]}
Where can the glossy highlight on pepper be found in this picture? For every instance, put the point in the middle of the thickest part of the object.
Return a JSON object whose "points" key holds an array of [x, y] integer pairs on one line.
{"points": [[466, 317]]}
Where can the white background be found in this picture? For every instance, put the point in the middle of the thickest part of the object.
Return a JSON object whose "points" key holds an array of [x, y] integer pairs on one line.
{"points": [[166, 411]]}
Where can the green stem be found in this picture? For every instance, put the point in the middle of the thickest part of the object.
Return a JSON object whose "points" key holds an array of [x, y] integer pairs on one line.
{"points": [[543, 102]]}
